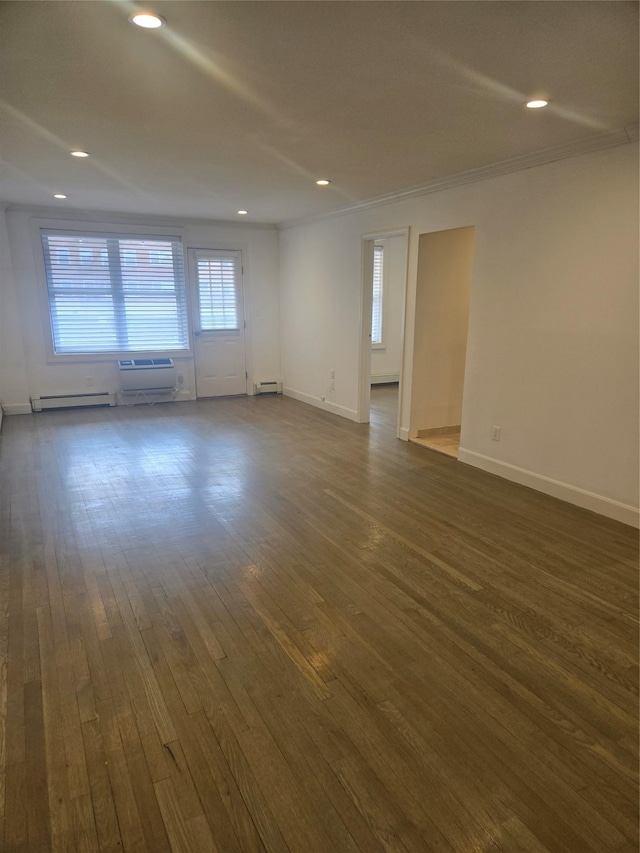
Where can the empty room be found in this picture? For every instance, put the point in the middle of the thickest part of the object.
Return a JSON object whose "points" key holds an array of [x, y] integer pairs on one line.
{"points": [[319, 426]]}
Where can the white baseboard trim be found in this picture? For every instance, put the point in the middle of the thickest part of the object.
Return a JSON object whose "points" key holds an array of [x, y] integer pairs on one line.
{"points": [[383, 378], [404, 433], [326, 405], [625, 513], [17, 408]]}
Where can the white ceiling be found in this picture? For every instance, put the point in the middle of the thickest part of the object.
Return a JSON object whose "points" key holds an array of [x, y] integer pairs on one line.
{"points": [[244, 104]]}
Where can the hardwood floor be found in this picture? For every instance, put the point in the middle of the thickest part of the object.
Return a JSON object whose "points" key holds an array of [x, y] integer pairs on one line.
{"points": [[384, 408], [246, 624]]}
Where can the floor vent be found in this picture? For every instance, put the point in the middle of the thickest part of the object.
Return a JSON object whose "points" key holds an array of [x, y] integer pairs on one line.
{"points": [[72, 401]]}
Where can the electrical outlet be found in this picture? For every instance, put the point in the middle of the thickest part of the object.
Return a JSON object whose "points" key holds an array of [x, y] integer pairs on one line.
{"points": [[333, 374], [89, 381], [180, 380], [323, 399], [496, 433]]}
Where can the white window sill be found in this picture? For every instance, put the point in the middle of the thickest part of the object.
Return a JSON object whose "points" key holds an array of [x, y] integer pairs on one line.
{"points": [[90, 358]]}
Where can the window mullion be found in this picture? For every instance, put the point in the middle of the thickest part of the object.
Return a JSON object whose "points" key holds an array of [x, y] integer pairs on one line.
{"points": [[117, 293]]}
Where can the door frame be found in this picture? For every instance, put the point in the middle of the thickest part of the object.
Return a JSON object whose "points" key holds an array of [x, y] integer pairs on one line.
{"points": [[193, 304], [363, 407]]}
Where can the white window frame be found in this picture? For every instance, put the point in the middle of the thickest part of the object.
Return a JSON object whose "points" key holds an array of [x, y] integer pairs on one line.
{"points": [[234, 258], [378, 247], [103, 228]]}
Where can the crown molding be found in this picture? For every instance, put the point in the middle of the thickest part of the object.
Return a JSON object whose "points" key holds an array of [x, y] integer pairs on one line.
{"points": [[76, 214], [504, 167]]}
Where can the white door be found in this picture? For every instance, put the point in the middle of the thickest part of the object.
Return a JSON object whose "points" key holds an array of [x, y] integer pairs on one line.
{"points": [[218, 325]]}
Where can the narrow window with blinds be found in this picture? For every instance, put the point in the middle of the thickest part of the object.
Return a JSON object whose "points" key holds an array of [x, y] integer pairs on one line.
{"points": [[376, 314], [115, 293], [218, 280]]}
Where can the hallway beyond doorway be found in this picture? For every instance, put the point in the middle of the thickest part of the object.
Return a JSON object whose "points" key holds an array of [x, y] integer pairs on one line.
{"points": [[384, 407], [384, 413]]}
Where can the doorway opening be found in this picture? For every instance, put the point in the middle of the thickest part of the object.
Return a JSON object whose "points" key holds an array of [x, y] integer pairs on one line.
{"points": [[443, 293], [382, 332], [384, 408]]}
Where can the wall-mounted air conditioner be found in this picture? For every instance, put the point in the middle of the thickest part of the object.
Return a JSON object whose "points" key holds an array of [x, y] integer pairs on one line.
{"points": [[147, 374]]}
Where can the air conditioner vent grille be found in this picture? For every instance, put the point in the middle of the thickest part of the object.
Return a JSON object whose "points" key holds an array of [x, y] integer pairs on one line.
{"points": [[145, 362], [147, 374]]}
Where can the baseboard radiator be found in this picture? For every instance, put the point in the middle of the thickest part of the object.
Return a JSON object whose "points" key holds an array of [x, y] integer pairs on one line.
{"points": [[72, 401], [385, 378], [148, 375], [268, 387]]}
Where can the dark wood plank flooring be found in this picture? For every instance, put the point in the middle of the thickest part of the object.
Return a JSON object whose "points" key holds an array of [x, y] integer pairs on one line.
{"points": [[245, 624]]}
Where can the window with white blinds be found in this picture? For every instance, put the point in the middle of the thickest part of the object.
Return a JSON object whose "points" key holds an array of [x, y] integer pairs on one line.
{"points": [[376, 314], [114, 293], [218, 287]]}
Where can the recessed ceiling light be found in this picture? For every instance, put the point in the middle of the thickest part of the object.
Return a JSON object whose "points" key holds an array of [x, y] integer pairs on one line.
{"points": [[242, 212], [80, 154], [59, 195], [148, 20], [323, 182], [537, 104]]}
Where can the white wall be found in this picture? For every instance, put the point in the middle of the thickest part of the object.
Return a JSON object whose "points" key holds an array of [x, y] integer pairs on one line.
{"points": [[13, 368], [386, 361], [552, 352], [443, 294], [320, 271], [25, 368]]}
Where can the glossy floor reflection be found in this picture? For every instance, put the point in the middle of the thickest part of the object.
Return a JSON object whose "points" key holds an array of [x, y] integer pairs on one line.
{"points": [[245, 624]]}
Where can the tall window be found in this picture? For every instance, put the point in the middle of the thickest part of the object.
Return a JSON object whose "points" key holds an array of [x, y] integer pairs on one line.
{"points": [[376, 314], [105, 296]]}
